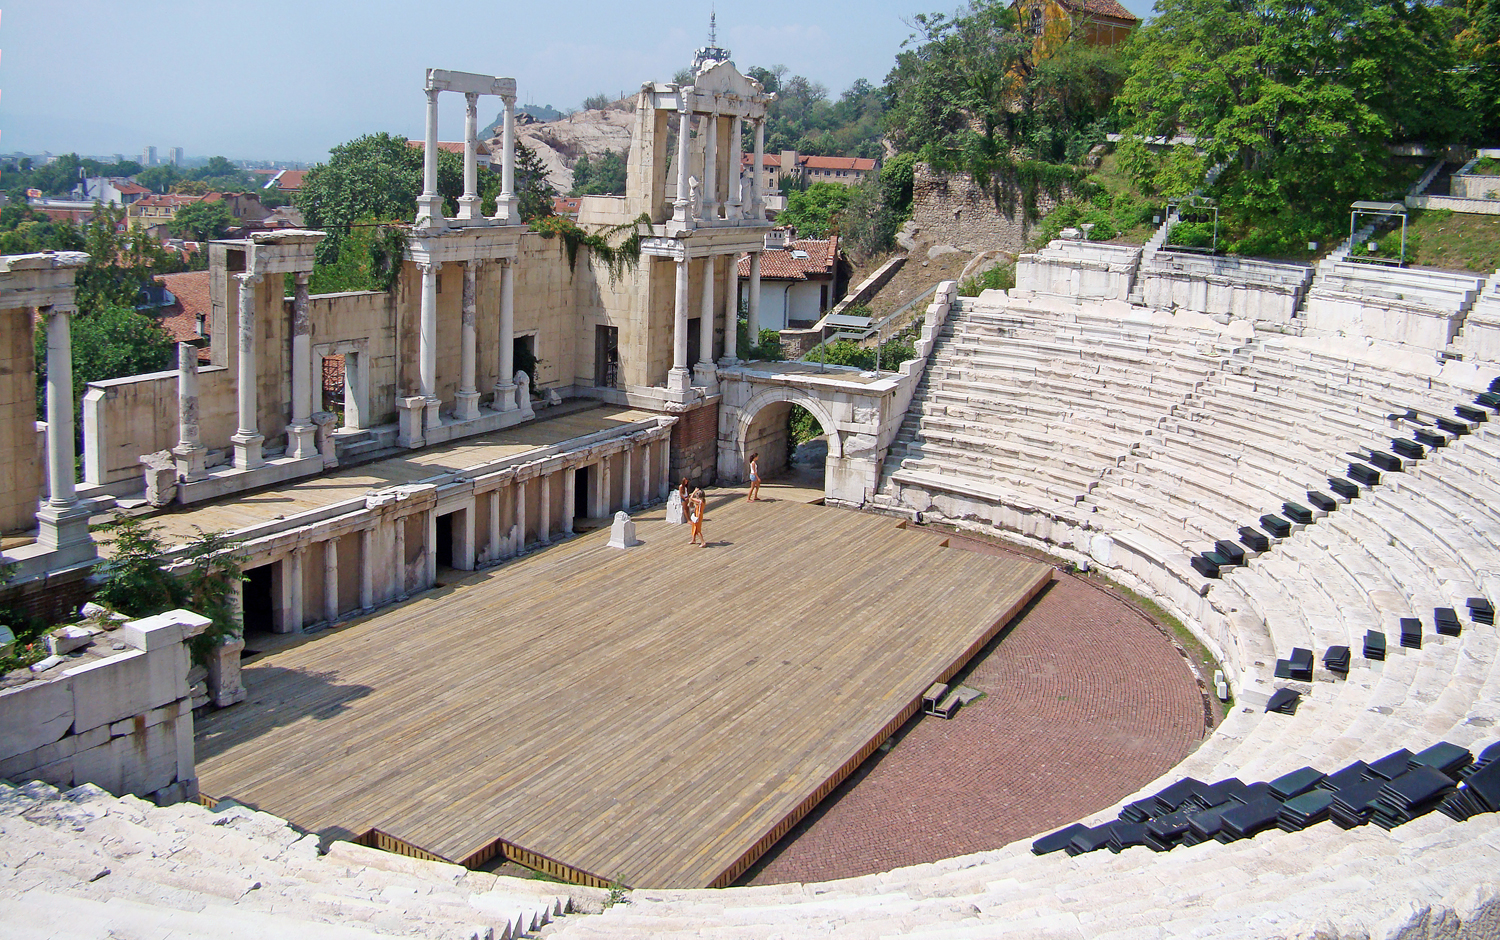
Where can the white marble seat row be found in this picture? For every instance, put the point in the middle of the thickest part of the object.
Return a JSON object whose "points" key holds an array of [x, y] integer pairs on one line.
{"points": [[86, 864]]}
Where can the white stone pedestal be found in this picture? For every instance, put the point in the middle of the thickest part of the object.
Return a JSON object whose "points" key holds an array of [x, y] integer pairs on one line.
{"points": [[411, 411], [466, 406], [674, 509], [622, 532]]}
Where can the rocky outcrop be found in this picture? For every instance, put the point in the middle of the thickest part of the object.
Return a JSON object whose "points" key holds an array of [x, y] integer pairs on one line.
{"points": [[559, 144]]}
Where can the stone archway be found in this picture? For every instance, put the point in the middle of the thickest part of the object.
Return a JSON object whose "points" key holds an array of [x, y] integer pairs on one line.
{"points": [[734, 447]]}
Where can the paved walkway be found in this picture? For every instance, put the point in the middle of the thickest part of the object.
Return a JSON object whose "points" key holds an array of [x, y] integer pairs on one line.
{"points": [[1085, 701]]}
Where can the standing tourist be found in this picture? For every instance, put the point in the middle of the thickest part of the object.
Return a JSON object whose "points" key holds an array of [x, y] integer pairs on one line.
{"points": [[696, 507], [754, 493]]}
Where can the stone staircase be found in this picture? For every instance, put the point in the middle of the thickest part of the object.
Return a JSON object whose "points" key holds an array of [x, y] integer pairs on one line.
{"points": [[85, 864]]}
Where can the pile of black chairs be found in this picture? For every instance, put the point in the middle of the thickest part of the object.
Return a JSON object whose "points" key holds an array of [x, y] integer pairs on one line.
{"points": [[1389, 792], [1428, 435]]}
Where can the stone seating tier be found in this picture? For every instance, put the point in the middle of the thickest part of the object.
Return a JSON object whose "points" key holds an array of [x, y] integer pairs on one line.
{"points": [[83, 863]]}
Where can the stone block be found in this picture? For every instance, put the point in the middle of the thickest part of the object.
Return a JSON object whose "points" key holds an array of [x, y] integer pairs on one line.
{"points": [[65, 640], [131, 683], [160, 469], [163, 630], [34, 715], [224, 685]]}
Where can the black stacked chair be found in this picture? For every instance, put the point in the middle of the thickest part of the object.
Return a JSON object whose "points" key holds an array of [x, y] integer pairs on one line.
{"points": [[1297, 667], [1230, 550], [1276, 525], [1447, 759], [1392, 765], [1304, 810], [1471, 414], [1322, 501], [1490, 400], [1479, 793], [1385, 461], [1253, 539], [1409, 449], [1430, 438], [1297, 513], [1486, 757], [1411, 633], [1414, 793], [1336, 659], [1354, 802], [1244, 822], [1058, 840], [1364, 474], [1481, 611], [1375, 645], [1446, 619], [1456, 428], [1090, 839], [1208, 563], [1343, 487], [1284, 701]]}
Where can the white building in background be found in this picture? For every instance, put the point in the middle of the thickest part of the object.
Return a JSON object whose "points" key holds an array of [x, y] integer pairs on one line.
{"points": [[800, 279], [148, 157], [176, 156]]}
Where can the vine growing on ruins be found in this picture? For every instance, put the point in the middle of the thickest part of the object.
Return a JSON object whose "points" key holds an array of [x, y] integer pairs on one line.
{"points": [[617, 259]]}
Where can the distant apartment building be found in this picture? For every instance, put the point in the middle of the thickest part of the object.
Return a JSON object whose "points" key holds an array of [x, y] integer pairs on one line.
{"points": [[808, 169], [176, 156], [148, 157]]}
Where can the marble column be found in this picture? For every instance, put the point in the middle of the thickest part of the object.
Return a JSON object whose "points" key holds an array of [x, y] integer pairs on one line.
{"points": [[466, 405], [247, 440], [291, 592], [429, 548], [506, 204], [398, 570], [757, 200], [331, 580], [190, 452], [711, 169], [752, 313], [544, 509], [495, 544], [606, 488], [301, 434], [731, 309], [468, 203], [427, 342], [430, 203], [736, 168], [664, 482], [625, 481], [703, 374], [367, 568], [646, 485], [505, 386], [684, 132], [63, 520], [678, 379], [569, 498], [520, 491], [465, 549]]}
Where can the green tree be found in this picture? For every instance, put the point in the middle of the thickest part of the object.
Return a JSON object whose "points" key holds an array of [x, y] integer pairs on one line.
{"points": [[1477, 51], [605, 176], [1297, 102], [814, 212], [122, 262], [159, 179], [201, 221], [108, 343], [533, 193], [597, 102]]}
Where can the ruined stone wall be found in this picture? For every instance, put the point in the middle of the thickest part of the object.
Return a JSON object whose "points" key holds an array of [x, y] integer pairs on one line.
{"points": [[124, 419], [951, 209], [695, 443], [18, 435]]}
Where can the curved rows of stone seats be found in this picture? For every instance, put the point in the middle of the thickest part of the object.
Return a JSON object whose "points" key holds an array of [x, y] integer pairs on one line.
{"points": [[85, 864], [1418, 306], [1266, 291]]}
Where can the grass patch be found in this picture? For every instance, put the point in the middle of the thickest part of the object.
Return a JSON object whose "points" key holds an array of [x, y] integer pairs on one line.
{"points": [[1456, 241]]}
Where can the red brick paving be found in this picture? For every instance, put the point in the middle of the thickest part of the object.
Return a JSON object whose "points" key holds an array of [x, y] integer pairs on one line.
{"points": [[1086, 701]]}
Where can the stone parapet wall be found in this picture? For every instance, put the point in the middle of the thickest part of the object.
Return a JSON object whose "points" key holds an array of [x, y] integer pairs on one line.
{"points": [[952, 209], [120, 720]]}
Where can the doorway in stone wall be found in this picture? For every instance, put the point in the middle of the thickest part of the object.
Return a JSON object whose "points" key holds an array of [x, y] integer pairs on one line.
{"points": [[258, 593], [606, 356]]}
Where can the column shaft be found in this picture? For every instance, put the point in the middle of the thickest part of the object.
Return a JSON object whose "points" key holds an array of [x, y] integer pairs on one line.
{"points": [[301, 433], [495, 549], [752, 314], [706, 315], [544, 509], [711, 169], [757, 201], [731, 307], [429, 548], [506, 205], [468, 203], [367, 568], [684, 131], [625, 475], [247, 440], [466, 406], [736, 167], [427, 338], [60, 472], [505, 386], [569, 498], [680, 323], [520, 487], [646, 483], [430, 204], [331, 580], [399, 568]]}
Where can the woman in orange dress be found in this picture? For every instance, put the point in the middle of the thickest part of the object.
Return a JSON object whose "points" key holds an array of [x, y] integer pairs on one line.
{"points": [[696, 505]]}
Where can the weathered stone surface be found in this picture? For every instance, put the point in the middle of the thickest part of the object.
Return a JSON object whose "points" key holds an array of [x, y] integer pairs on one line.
{"points": [[622, 532]]}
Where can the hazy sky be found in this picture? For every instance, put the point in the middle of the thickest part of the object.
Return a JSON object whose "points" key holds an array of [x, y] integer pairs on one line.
{"points": [[275, 79]]}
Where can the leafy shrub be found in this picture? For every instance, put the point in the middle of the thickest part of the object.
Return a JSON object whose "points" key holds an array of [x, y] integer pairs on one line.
{"points": [[999, 277]]}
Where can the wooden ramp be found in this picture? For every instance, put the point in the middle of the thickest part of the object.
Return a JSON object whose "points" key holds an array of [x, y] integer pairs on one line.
{"points": [[657, 716]]}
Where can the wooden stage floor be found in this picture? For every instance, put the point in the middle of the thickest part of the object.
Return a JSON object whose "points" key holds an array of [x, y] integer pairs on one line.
{"points": [[657, 716]]}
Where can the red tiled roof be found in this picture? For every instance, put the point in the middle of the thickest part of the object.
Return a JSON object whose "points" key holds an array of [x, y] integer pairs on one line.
{"points": [[174, 200], [777, 264], [837, 163], [129, 187], [566, 205], [180, 318], [769, 160], [1101, 8], [290, 180]]}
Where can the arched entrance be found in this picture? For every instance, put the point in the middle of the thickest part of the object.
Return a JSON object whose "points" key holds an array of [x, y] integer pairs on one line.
{"points": [[761, 427]]}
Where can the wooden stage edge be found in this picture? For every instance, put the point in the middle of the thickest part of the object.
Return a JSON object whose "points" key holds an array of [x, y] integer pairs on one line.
{"points": [[254, 751]]}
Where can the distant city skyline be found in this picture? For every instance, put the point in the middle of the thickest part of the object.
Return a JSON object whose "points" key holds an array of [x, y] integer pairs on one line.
{"points": [[277, 80]]}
